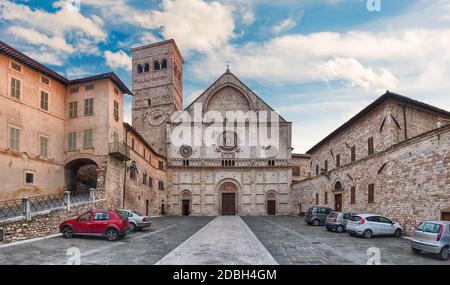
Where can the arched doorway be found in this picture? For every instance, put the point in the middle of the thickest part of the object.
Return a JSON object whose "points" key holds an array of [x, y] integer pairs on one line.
{"points": [[81, 174], [185, 203], [338, 188], [228, 194], [271, 203]]}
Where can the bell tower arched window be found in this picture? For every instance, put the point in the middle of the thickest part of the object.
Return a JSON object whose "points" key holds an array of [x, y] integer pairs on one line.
{"points": [[139, 68], [146, 67], [164, 64], [156, 65]]}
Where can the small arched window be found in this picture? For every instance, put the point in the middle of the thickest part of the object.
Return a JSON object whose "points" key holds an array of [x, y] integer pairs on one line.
{"points": [[146, 67], [156, 65], [149, 102], [338, 185], [164, 64], [139, 68]]}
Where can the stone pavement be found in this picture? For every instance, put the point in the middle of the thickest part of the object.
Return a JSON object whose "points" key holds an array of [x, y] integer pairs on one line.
{"points": [[226, 240]]}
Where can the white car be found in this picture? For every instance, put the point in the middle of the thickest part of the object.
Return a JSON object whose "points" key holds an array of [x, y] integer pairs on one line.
{"points": [[137, 220], [368, 225]]}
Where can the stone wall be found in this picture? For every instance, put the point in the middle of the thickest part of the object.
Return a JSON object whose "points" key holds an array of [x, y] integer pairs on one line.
{"points": [[41, 225], [412, 181]]}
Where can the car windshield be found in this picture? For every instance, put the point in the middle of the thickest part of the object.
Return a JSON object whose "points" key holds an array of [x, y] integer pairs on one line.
{"points": [[355, 219], [431, 228], [136, 213]]}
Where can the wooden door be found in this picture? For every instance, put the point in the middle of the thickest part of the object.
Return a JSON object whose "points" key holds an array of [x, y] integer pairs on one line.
{"points": [[338, 202], [228, 204], [186, 207], [271, 208]]}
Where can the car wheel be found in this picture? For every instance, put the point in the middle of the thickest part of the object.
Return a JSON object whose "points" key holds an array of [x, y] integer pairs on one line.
{"points": [[132, 227], [340, 229], [67, 232], [398, 233], [416, 251], [315, 223], [112, 234], [367, 234], [443, 255]]}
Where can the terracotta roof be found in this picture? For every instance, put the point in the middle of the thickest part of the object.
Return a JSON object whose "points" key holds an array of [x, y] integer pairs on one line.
{"points": [[111, 76], [138, 135], [33, 64], [29, 62], [376, 103]]}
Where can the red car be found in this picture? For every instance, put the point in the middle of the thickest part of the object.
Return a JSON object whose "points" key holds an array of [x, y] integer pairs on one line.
{"points": [[110, 224]]}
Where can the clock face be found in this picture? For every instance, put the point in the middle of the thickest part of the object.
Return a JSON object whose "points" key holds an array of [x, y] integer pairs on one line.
{"points": [[156, 117]]}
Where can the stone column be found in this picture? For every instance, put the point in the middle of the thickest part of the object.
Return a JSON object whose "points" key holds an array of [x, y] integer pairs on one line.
{"points": [[67, 199], [26, 208]]}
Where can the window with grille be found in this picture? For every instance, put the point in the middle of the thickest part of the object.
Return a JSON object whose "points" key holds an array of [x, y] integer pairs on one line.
{"points": [[295, 171], [16, 66], [72, 141], [371, 193], [43, 149], [14, 139], [116, 109], [370, 146], [89, 106], [29, 178], [45, 80], [160, 185], [73, 110], [15, 88], [353, 195], [160, 165], [44, 100], [87, 138]]}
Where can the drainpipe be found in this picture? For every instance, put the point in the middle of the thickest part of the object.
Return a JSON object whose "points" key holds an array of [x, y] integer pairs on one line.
{"points": [[404, 121], [125, 167]]}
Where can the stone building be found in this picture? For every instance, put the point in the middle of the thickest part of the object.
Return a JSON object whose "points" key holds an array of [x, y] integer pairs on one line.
{"points": [[392, 158], [67, 135], [229, 176]]}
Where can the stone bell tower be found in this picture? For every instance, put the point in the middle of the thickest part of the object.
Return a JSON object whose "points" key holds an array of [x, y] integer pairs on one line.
{"points": [[158, 90]]}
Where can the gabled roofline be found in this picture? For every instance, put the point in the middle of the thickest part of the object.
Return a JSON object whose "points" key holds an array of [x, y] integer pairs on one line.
{"points": [[130, 128], [110, 75], [226, 73], [372, 106], [20, 57], [160, 43], [31, 63]]}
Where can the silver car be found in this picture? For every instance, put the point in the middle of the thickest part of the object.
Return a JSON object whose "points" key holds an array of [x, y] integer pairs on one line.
{"points": [[337, 221], [137, 220], [432, 237], [368, 225]]}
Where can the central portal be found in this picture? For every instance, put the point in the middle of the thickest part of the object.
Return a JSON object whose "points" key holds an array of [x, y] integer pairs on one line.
{"points": [[228, 204]]}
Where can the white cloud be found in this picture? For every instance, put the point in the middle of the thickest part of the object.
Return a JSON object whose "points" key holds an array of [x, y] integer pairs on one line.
{"points": [[118, 60], [36, 38], [284, 25]]}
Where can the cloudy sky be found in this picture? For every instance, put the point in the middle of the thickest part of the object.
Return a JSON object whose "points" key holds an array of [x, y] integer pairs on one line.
{"points": [[317, 62]]}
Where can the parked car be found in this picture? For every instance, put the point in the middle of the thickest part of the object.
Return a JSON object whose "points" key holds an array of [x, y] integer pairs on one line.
{"points": [[433, 237], [337, 221], [368, 225], [317, 215], [110, 224], [137, 220]]}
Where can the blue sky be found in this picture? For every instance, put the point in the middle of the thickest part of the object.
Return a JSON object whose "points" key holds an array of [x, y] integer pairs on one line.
{"points": [[317, 62]]}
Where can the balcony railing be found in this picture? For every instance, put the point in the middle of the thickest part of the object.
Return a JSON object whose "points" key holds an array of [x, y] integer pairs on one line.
{"points": [[119, 151]]}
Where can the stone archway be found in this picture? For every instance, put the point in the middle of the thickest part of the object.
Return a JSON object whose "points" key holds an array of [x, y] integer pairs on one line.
{"points": [[80, 174], [228, 192], [186, 203]]}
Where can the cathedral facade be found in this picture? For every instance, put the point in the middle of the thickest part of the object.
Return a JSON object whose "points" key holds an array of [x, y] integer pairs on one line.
{"points": [[228, 152]]}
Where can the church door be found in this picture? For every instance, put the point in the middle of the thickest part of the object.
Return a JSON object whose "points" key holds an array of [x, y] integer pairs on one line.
{"points": [[228, 204], [271, 210], [186, 207]]}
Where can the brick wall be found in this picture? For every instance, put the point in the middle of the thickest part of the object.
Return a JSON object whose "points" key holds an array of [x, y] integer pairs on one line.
{"points": [[41, 225], [413, 185]]}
